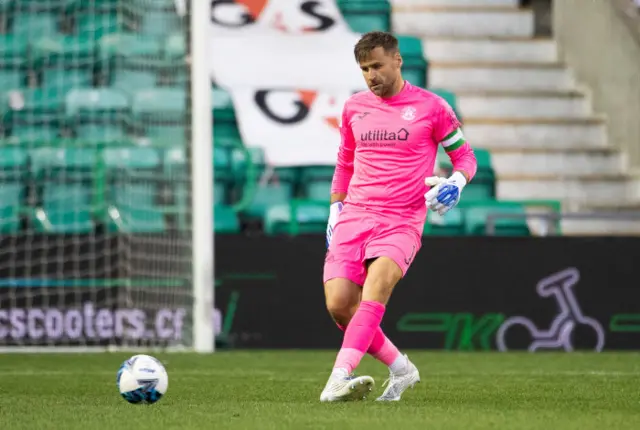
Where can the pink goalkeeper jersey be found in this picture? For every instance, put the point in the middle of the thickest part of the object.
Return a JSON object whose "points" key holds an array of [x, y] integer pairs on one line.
{"points": [[389, 146]]}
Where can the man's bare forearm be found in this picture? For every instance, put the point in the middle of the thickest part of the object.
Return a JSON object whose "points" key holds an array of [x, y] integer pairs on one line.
{"points": [[338, 197]]}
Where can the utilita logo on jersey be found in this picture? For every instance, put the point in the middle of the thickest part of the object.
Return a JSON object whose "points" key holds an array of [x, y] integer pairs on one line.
{"points": [[383, 138], [288, 16]]}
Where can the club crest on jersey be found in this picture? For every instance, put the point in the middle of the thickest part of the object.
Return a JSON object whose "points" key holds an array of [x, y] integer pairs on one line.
{"points": [[408, 113]]}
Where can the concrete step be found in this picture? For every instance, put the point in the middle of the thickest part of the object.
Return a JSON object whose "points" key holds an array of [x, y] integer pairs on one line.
{"points": [[457, 76], [521, 104], [456, 3], [506, 50], [574, 191], [428, 20], [537, 133], [567, 163]]}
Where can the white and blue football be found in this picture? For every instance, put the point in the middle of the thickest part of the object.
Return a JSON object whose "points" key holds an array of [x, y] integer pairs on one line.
{"points": [[142, 379]]}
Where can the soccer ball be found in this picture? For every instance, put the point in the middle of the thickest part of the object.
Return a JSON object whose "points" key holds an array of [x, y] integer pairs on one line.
{"points": [[142, 379]]}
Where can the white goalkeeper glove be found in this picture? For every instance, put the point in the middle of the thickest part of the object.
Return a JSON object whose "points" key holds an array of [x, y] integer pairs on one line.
{"points": [[334, 211], [445, 192]]}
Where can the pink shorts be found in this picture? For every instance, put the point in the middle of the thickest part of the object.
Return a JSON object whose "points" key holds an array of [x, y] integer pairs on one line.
{"points": [[361, 235]]}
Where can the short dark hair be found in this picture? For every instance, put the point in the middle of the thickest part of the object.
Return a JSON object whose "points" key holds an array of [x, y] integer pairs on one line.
{"points": [[372, 40]]}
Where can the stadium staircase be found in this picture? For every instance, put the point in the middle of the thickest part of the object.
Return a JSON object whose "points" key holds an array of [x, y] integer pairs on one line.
{"points": [[520, 102]]}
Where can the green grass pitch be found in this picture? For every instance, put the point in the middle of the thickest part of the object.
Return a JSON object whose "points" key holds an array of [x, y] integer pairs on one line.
{"points": [[280, 390]]}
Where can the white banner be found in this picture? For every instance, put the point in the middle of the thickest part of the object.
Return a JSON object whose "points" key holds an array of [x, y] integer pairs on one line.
{"points": [[284, 17], [282, 43], [295, 127], [263, 52]]}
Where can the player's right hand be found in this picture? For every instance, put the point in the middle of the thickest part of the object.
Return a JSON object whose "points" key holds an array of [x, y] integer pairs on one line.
{"points": [[334, 211]]}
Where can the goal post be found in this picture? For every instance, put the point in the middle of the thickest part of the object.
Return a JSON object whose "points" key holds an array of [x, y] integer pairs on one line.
{"points": [[201, 178], [106, 176]]}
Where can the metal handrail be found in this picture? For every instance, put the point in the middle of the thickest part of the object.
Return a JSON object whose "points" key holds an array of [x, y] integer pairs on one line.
{"points": [[553, 218]]}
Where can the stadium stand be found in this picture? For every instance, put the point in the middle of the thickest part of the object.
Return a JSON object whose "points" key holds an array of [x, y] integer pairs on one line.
{"points": [[93, 129]]}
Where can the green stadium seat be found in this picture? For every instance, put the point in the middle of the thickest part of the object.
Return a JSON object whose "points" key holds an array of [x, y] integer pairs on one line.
{"points": [[315, 182], [13, 46], [129, 45], [130, 61], [11, 79], [316, 173], [132, 208], [224, 116], [318, 191], [483, 158], [483, 185], [366, 15], [13, 54], [13, 160], [65, 62], [222, 105], [476, 214], [266, 196], [64, 80], [34, 101], [450, 97], [77, 6], [222, 165], [451, 224], [11, 195], [32, 114], [309, 217], [225, 220], [34, 24], [175, 171], [96, 18], [97, 114], [130, 80], [13, 167], [287, 176], [228, 142], [156, 18], [66, 208], [220, 194], [131, 161], [33, 5], [34, 134], [175, 46], [159, 114], [247, 160], [65, 175], [95, 26], [160, 101], [415, 67], [49, 163], [75, 51]]}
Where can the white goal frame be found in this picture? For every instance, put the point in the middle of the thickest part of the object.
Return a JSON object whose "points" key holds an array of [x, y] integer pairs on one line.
{"points": [[202, 211]]}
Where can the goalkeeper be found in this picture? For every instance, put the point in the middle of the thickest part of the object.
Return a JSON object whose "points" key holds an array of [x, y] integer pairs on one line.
{"points": [[389, 141]]}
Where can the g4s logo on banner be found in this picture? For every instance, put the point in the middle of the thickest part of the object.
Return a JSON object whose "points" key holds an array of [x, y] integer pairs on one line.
{"points": [[294, 127], [286, 16], [328, 106], [282, 44]]}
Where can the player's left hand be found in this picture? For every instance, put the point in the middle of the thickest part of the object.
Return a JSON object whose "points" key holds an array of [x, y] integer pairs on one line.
{"points": [[445, 192]]}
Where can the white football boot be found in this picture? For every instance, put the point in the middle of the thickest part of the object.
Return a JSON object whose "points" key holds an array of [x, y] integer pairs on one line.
{"points": [[343, 387], [399, 382]]}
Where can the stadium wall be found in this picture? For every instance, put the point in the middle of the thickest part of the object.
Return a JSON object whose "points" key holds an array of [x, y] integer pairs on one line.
{"points": [[602, 45], [462, 293]]}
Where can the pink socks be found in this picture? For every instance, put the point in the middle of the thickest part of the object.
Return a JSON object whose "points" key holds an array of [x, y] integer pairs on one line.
{"points": [[381, 348], [364, 335]]}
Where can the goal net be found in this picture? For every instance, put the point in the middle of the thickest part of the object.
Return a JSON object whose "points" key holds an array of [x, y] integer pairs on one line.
{"points": [[95, 215]]}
